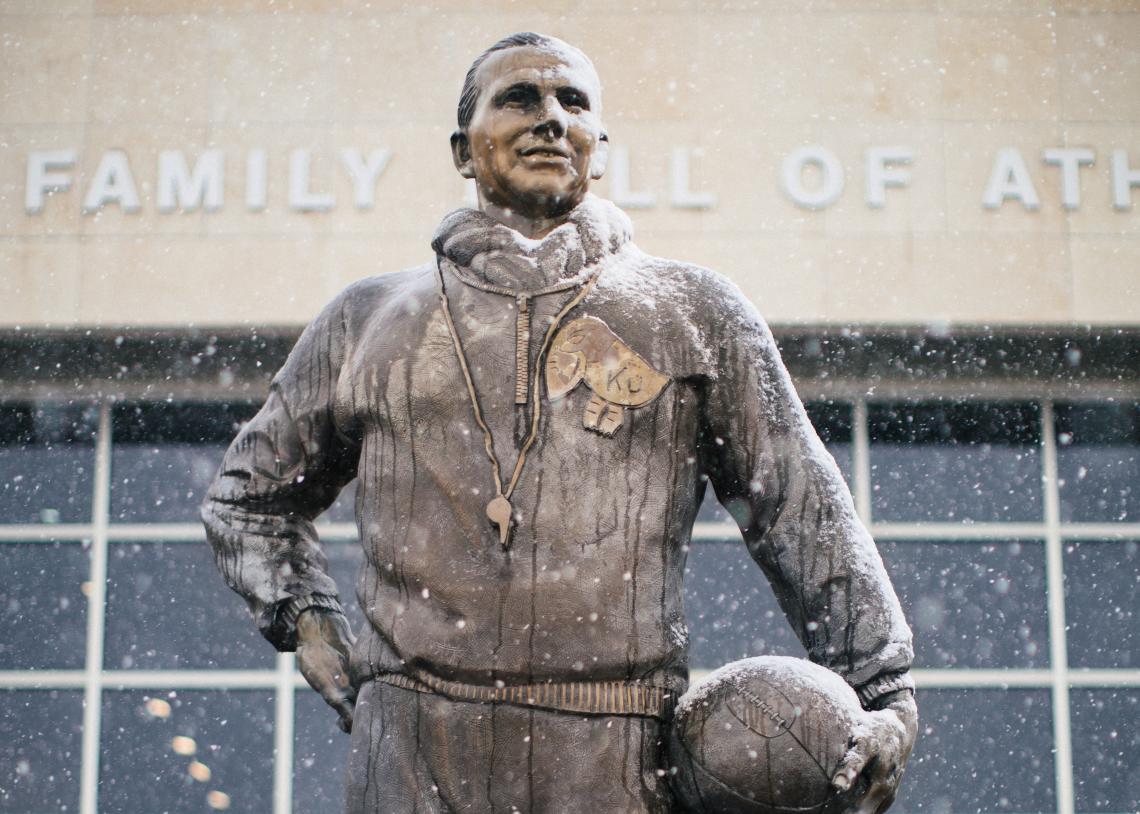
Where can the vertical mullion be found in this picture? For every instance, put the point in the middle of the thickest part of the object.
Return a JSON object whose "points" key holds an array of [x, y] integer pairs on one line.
{"points": [[861, 460], [96, 611], [283, 736], [1055, 587]]}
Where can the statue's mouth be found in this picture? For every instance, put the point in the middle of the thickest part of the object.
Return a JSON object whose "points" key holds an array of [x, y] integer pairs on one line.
{"points": [[546, 151]]}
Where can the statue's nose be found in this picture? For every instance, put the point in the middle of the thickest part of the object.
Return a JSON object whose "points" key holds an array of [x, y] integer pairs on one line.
{"points": [[551, 118]]}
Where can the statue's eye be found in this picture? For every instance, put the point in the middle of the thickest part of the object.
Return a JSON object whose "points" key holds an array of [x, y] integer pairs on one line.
{"points": [[572, 99], [518, 96]]}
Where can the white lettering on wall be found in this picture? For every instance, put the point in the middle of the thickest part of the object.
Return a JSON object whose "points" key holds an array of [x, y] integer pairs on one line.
{"points": [[812, 177], [830, 177], [1070, 160], [256, 180], [1010, 179], [301, 196], [178, 188], [680, 189], [112, 183], [1123, 179], [620, 192], [41, 178], [364, 173], [880, 175]]}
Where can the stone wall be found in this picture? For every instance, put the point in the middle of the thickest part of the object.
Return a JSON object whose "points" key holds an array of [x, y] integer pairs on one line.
{"points": [[705, 102]]}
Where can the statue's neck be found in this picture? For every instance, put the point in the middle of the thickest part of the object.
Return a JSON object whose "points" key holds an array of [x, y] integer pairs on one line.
{"points": [[534, 228]]}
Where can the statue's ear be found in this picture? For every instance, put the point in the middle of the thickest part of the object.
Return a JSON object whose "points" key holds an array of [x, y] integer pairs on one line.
{"points": [[461, 154], [600, 157]]}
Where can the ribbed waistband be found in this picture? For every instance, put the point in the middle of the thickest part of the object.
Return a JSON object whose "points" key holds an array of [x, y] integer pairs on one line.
{"points": [[589, 697]]}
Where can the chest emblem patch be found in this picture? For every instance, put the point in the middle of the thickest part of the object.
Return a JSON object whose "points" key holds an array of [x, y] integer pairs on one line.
{"points": [[587, 350]]}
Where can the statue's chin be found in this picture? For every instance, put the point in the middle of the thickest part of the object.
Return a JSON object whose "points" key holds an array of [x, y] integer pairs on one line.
{"points": [[540, 205]]}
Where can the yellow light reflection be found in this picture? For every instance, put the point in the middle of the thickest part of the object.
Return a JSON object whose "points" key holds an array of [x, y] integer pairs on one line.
{"points": [[158, 708], [199, 771], [183, 745], [218, 800]]}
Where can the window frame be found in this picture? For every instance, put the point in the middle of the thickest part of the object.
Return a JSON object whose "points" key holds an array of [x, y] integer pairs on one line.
{"points": [[284, 680]]}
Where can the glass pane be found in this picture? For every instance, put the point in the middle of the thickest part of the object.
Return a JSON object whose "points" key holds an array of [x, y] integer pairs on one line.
{"points": [[980, 750], [344, 561], [168, 608], [972, 604], [1106, 749], [187, 751], [712, 512], [40, 749], [942, 462], [165, 455], [730, 609], [1098, 461], [43, 610], [344, 509], [832, 420], [47, 461], [320, 755], [1102, 581]]}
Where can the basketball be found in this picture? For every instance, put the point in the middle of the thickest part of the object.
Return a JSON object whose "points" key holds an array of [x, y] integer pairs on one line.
{"points": [[762, 736]]}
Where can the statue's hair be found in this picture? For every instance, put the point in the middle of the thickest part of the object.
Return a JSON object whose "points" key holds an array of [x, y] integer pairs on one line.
{"points": [[469, 96]]}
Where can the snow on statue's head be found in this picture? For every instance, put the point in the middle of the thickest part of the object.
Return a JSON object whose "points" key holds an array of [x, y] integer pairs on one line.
{"points": [[530, 129]]}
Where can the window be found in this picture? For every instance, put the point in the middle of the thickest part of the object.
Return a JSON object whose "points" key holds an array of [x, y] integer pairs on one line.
{"points": [[960, 497], [41, 749], [955, 461], [43, 607], [1009, 527], [165, 455], [1098, 461], [47, 462], [977, 604], [186, 751]]}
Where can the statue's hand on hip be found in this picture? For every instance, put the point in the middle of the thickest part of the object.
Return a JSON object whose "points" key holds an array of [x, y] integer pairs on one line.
{"points": [[323, 644], [870, 772]]}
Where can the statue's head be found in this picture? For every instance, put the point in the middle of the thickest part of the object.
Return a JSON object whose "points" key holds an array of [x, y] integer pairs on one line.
{"points": [[530, 128]]}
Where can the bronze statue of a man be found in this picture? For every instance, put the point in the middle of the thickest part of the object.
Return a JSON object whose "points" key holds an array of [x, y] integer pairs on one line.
{"points": [[533, 417]]}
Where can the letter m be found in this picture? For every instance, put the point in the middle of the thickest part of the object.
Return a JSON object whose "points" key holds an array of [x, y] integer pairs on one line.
{"points": [[178, 188]]}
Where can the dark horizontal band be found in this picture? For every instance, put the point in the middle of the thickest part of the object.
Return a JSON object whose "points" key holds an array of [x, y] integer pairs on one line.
{"points": [[589, 697], [287, 615], [884, 685]]}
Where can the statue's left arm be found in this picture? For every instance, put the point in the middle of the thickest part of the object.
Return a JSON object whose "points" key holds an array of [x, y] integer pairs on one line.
{"points": [[773, 474]]}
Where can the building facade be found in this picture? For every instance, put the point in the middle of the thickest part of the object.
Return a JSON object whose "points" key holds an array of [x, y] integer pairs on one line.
{"points": [[933, 202]]}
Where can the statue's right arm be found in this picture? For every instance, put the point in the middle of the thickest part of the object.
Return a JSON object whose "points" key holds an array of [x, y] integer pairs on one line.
{"points": [[285, 467]]}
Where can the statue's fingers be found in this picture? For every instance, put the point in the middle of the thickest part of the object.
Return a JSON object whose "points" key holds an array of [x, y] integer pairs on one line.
{"points": [[344, 715], [878, 798], [337, 694], [851, 765], [887, 801], [326, 677], [326, 672], [340, 699]]}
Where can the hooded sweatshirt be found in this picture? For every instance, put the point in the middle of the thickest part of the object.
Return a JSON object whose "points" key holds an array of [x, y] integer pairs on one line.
{"points": [[662, 380]]}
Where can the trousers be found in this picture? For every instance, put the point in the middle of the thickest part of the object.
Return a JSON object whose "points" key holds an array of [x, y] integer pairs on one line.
{"points": [[421, 753]]}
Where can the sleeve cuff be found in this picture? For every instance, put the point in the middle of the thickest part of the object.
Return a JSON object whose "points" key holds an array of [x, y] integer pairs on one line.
{"points": [[285, 623], [884, 685]]}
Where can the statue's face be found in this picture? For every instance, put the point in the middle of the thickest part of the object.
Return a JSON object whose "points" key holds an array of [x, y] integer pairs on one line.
{"points": [[535, 140]]}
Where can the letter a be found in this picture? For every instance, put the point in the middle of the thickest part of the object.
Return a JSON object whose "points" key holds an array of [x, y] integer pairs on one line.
{"points": [[112, 183], [1010, 179]]}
